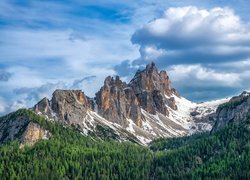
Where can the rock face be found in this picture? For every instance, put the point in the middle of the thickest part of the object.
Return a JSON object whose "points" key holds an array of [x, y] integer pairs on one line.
{"points": [[235, 111], [117, 102], [149, 89], [23, 129], [33, 133], [67, 106], [43, 106], [147, 107], [72, 107]]}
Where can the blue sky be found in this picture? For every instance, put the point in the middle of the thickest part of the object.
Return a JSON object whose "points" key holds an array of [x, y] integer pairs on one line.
{"points": [[45, 45]]}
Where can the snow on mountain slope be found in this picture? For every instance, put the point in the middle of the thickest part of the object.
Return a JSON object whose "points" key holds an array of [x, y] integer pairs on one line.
{"points": [[189, 118], [209, 107], [94, 124], [203, 115], [195, 117], [146, 108]]}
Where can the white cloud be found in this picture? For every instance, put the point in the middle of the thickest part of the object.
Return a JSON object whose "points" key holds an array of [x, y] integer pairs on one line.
{"points": [[196, 35], [151, 52], [24, 77], [201, 83], [197, 75], [46, 43], [30, 45]]}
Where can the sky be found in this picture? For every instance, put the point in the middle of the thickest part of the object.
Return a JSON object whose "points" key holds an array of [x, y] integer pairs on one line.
{"points": [[204, 45]]}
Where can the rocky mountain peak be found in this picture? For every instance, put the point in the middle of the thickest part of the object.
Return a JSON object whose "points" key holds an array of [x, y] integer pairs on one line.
{"points": [[245, 94], [149, 89], [43, 106], [70, 96], [115, 82], [67, 106], [151, 68], [133, 106], [115, 100], [153, 90], [150, 80]]}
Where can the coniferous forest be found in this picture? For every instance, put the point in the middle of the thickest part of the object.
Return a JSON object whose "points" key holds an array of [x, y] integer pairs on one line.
{"points": [[224, 154]]}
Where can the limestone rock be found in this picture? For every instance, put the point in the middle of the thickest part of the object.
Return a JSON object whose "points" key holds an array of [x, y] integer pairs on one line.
{"points": [[23, 129], [236, 111], [67, 106], [149, 90], [134, 107], [172, 104], [33, 133], [152, 88], [11, 129], [117, 102], [43, 106]]}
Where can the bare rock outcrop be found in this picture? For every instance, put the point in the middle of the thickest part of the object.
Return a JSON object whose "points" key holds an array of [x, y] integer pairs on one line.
{"points": [[43, 106], [67, 106], [33, 133], [236, 111], [152, 89], [149, 90], [23, 129], [117, 102]]}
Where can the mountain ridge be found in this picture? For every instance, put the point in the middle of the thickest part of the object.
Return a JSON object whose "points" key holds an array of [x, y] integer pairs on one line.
{"points": [[147, 107], [67, 155]]}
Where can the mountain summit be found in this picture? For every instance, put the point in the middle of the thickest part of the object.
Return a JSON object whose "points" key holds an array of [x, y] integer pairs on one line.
{"points": [[145, 108]]}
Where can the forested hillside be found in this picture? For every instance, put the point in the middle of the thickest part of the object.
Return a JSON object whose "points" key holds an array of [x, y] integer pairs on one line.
{"points": [[70, 155], [224, 154]]}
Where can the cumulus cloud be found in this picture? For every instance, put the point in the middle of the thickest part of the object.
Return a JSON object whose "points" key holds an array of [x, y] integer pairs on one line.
{"points": [[202, 83], [87, 78], [197, 75], [194, 35], [205, 51]]}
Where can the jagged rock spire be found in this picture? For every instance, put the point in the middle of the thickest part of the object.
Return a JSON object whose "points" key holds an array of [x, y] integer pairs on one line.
{"points": [[116, 101], [149, 89]]}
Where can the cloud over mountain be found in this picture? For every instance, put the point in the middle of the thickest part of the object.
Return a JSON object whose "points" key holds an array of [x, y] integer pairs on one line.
{"points": [[44, 43], [205, 51]]}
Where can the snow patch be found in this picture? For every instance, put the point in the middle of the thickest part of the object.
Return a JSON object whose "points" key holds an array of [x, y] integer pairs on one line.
{"points": [[130, 126]]}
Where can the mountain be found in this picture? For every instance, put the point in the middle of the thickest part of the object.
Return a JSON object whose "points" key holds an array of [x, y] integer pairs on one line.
{"points": [[72, 136], [223, 154], [146, 108], [236, 110], [67, 154]]}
